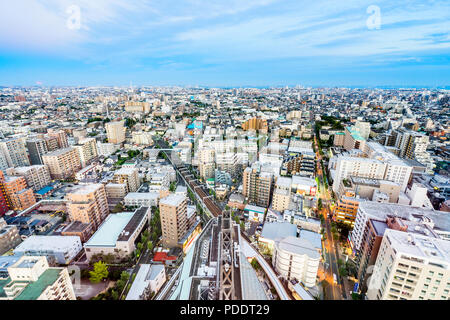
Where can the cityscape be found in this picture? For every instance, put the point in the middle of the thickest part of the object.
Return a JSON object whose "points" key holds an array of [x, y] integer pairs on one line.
{"points": [[292, 189]]}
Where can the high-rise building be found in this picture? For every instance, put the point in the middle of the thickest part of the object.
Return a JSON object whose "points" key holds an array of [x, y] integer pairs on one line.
{"points": [[88, 204], [62, 163], [410, 266], [36, 149], [61, 137], [115, 131], [282, 194], [257, 185], [15, 152], [36, 176], [87, 150], [174, 219], [17, 194], [129, 176], [347, 207]]}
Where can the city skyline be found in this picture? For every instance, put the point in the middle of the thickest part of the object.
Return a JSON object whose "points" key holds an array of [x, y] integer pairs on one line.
{"points": [[213, 44]]}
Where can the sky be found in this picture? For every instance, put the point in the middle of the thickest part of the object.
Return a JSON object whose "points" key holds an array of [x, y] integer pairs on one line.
{"points": [[232, 43]]}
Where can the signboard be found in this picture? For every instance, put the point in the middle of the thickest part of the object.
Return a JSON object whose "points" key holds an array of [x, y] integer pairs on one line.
{"points": [[355, 287]]}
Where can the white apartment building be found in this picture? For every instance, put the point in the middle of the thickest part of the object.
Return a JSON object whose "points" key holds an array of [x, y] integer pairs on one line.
{"points": [[106, 149], [144, 199], [129, 176], [61, 248], [296, 258], [31, 278], [14, 152], [411, 266], [87, 150], [282, 194], [436, 220]]}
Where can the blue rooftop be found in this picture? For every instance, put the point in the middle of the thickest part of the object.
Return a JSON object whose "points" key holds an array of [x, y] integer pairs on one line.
{"points": [[44, 190]]}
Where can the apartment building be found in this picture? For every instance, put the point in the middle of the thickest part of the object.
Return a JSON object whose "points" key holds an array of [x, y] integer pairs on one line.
{"points": [[296, 258], [9, 237], [347, 207], [88, 204], [62, 163], [17, 194], [14, 152], [353, 139], [61, 137], [106, 149], [257, 185], [174, 222], [36, 149], [31, 278], [61, 249], [115, 131], [438, 221], [87, 151], [128, 176], [410, 267], [282, 194], [36, 176]]}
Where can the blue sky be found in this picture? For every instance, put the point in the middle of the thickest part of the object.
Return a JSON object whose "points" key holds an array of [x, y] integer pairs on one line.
{"points": [[225, 43]]}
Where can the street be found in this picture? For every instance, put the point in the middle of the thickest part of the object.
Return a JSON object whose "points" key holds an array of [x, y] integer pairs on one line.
{"points": [[333, 291]]}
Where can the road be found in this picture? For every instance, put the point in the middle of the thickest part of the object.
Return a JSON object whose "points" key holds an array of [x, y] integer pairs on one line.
{"points": [[333, 291]]}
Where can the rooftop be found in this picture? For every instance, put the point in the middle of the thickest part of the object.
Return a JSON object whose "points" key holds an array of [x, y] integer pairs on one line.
{"points": [[173, 199], [278, 230], [298, 246], [39, 243], [34, 289], [109, 231]]}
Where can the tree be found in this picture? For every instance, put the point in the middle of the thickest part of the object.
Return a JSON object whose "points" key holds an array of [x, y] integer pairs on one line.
{"points": [[149, 245], [99, 273]]}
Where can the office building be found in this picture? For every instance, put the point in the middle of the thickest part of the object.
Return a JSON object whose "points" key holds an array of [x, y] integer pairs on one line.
{"points": [[117, 234]]}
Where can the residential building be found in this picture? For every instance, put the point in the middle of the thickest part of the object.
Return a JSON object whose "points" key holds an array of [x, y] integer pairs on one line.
{"points": [[129, 176], [31, 278], [9, 237], [410, 267], [115, 131], [296, 258], [174, 224], [88, 204], [61, 249], [62, 163]]}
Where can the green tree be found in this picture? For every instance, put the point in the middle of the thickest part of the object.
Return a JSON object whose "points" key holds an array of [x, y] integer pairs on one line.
{"points": [[99, 273], [149, 245]]}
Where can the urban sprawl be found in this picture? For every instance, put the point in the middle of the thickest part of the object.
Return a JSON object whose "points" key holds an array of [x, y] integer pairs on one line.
{"points": [[178, 193]]}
